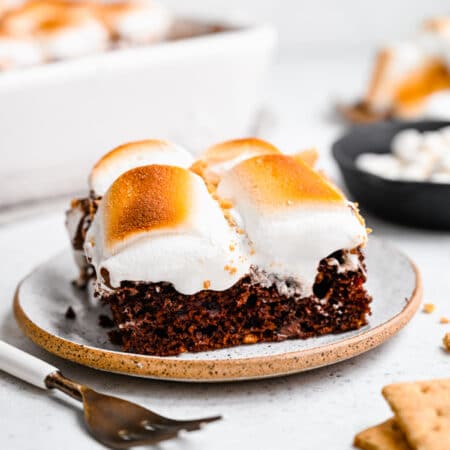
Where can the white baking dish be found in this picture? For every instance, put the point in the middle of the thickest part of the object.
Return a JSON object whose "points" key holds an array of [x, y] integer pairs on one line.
{"points": [[57, 119]]}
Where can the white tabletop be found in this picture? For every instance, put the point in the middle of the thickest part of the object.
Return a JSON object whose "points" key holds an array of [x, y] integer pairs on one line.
{"points": [[322, 409]]}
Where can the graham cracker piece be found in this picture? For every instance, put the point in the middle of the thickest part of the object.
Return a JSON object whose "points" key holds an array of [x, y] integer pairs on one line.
{"points": [[385, 436], [422, 411]]}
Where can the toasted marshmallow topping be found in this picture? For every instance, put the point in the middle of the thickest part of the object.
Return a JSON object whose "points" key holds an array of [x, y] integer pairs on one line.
{"points": [[308, 156], [64, 29], [222, 157], [291, 214], [159, 223], [137, 21], [19, 52], [135, 154], [74, 40]]}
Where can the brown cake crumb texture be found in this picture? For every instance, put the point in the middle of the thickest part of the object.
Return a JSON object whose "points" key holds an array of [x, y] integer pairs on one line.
{"points": [[89, 207], [155, 319]]}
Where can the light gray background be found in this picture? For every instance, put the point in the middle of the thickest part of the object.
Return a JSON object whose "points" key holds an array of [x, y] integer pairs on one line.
{"points": [[324, 26]]}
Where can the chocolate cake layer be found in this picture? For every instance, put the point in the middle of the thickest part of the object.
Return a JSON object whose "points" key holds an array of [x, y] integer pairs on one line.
{"points": [[155, 319], [83, 210], [88, 207]]}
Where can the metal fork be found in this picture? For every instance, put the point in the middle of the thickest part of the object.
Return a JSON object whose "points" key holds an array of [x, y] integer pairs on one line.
{"points": [[114, 422]]}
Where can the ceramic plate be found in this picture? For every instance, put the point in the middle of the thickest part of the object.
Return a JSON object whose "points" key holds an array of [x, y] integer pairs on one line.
{"points": [[43, 297]]}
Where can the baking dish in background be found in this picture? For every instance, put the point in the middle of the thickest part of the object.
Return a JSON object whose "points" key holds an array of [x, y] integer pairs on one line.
{"points": [[57, 119]]}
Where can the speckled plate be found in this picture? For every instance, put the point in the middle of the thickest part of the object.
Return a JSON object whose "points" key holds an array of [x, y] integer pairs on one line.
{"points": [[43, 297]]}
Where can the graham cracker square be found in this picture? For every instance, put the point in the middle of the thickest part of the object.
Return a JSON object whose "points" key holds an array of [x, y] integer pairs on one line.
{"points": [[385, 436], [422, 411]]}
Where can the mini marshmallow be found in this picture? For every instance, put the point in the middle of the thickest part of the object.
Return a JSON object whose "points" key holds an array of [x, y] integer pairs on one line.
{"points": [[71, 41], [383, 165], [413, 172], [136, 21], [445, 132], [415, 157], [406, 144], [444, 162], [440, 177]]}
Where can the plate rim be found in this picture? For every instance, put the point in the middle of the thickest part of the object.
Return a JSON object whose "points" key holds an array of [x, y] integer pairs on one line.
{"points": [[220, 370]]}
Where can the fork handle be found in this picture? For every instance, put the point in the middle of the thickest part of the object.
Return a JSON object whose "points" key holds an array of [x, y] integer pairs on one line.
{"points": [[24, 366]]}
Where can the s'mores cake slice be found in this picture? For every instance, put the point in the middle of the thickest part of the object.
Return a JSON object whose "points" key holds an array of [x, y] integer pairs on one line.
{"points": [[272, 252], [113, 164], [410, 78]]}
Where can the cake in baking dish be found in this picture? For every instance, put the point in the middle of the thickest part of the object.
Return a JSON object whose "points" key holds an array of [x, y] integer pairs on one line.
{"points": [[39, 31], [410, 78], [244, 245]]}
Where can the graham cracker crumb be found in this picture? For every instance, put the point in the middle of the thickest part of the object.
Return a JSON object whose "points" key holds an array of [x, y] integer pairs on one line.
{"points": [[250, 339], [446, 341], [206, 284], [230, 269], [225, 204], [232, 248], [429, 308], [444, 320]]}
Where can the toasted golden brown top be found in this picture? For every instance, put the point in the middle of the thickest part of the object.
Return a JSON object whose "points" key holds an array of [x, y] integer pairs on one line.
{"points": [[229, 150], [145, 199], [439, 25], [309, 156], [127, 150], [277, 180], [45, 16]]}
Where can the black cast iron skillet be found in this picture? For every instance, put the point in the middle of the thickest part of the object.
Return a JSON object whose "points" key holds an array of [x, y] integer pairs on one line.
{"points": [[420, 204]]}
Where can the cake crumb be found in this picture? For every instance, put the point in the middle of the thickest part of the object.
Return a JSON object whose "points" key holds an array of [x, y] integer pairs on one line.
{"points": [[206, 284], [429, 308], [232, 248], [70, 313], [446, 341], [444, 320]]}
